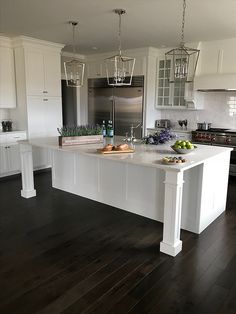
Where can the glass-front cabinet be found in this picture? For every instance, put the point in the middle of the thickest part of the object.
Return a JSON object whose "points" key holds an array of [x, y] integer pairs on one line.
{"points": [[169, 95]]}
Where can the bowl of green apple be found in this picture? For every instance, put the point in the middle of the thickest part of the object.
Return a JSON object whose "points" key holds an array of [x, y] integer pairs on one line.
{"points": [[183, 147]]}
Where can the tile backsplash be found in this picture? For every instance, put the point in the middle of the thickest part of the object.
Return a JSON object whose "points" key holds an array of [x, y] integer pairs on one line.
{"points": [[219, 109], [4, 115]]}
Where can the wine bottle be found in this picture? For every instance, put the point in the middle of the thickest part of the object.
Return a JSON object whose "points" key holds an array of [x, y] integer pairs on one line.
{"points": [[104, 131], [111, 131]]}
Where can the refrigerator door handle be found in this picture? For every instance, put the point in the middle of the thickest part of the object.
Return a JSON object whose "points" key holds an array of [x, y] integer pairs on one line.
{"points": [[113, 112]]}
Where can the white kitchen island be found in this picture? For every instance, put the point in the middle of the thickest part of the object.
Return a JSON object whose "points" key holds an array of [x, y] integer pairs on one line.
{"points": [[188, 196]]}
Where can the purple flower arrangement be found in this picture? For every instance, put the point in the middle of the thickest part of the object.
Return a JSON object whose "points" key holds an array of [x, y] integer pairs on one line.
{"points": [[160, 137]]}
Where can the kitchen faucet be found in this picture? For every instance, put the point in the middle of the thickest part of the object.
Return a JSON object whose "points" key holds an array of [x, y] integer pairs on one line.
{"points": [[132, 136]]}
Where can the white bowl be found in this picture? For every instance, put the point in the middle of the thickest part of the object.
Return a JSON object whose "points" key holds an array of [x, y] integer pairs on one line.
{"points": [[183, 150]]}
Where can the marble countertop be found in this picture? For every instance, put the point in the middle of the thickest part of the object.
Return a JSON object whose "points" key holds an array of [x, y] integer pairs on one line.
{"points": [[146, 155], [174, 130], [12, 132]]}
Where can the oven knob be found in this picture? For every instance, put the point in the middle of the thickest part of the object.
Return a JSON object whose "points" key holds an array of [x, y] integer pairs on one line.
{"points": [[228, 140], [213, 139], [200, 136], [203, 136], [208, 137]]}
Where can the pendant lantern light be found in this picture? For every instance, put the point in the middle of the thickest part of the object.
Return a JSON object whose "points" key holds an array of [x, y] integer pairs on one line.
{"points": [[119, 68], [182, 60], [74, 69]]}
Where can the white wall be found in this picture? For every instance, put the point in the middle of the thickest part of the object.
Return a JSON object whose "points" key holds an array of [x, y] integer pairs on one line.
{"points": [[219, 109]]}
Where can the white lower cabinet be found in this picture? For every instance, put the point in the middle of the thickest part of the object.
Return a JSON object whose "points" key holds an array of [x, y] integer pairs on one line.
{"points": [[9, 159], [9, 152], [3, 160]]}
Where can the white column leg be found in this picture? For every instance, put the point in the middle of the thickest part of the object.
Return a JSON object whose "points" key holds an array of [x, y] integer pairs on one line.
{"points": [[171, 243], [27, 175]]}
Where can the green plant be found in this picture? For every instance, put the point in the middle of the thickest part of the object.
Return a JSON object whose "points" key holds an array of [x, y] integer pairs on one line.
{"points": [[80, 130]]}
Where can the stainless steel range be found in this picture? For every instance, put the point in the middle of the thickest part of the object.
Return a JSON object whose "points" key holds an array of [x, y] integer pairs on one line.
{"points": [[218, 137]]}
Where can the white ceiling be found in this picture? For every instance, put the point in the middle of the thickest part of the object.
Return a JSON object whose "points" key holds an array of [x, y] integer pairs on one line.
{"points": [[147, 22]]}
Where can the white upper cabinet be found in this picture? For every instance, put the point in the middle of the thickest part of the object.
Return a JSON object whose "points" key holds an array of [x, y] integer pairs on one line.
{"points": [[140, 66], [177, 95], [96, 69], [38, 77], [7, 75], [43, 75], [34, 72], [52, 74]]}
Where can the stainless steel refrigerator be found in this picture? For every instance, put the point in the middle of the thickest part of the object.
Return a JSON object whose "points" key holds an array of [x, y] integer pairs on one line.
{"points": [[69, 104], [122, 105]]}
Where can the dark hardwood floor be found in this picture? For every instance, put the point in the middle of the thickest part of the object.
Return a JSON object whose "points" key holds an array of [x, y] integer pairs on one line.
{"points": [[60, 253]]}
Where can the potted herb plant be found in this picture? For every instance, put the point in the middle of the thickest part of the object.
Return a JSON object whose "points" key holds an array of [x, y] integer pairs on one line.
{"points": [[83, 134]]}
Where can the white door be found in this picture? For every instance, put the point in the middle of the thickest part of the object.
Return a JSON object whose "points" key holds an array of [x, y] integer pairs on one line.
{"points": [[35, 72], [52, 74]]}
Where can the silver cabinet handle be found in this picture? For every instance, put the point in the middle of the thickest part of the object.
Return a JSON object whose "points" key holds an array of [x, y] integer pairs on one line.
{"points": [[45, 92], [45, 99]]}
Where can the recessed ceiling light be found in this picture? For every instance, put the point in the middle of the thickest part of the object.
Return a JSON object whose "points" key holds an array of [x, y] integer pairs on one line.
{"points": [[95, 48]]}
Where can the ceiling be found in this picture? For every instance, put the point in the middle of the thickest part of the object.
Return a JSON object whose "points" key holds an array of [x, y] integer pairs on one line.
{"points": [[153, 23]]}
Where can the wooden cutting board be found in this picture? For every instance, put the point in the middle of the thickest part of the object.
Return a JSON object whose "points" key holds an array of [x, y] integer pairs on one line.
{"points": [[109, 152]]}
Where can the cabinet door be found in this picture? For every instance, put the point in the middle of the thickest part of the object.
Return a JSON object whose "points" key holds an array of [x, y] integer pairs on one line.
{"points": [[13, 155], [139, 67], [44, 116], [34, 72], [52, 74], [96, 70], [7, 78], [36, 117], [53, 115], [3, 160]]}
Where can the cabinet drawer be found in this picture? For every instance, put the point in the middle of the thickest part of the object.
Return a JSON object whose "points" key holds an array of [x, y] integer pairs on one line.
{"points": [[14, 137]]}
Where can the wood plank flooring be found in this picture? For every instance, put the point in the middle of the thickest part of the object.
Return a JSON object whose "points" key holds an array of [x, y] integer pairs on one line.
{"points": [[60, 253]]}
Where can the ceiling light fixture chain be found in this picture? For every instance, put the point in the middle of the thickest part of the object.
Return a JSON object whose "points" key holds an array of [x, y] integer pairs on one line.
{"points": [[74, 69], [183, 22], [74, 24], [120, 12]]}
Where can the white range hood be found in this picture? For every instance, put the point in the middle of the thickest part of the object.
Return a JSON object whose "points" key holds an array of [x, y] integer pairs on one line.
{"points": [[215, 82]]}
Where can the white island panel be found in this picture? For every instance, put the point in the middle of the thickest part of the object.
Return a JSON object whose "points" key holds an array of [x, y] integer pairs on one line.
{"points": [[189, 195]]}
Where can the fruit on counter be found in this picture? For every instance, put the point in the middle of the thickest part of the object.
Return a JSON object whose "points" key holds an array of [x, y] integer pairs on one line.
{"points": [[173, 160], [183, 145]]}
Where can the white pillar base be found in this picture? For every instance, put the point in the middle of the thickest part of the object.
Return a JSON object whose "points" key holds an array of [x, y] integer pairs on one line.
{"points": [[170, 249], [171, 243], [27, 173], [28, 194]]}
